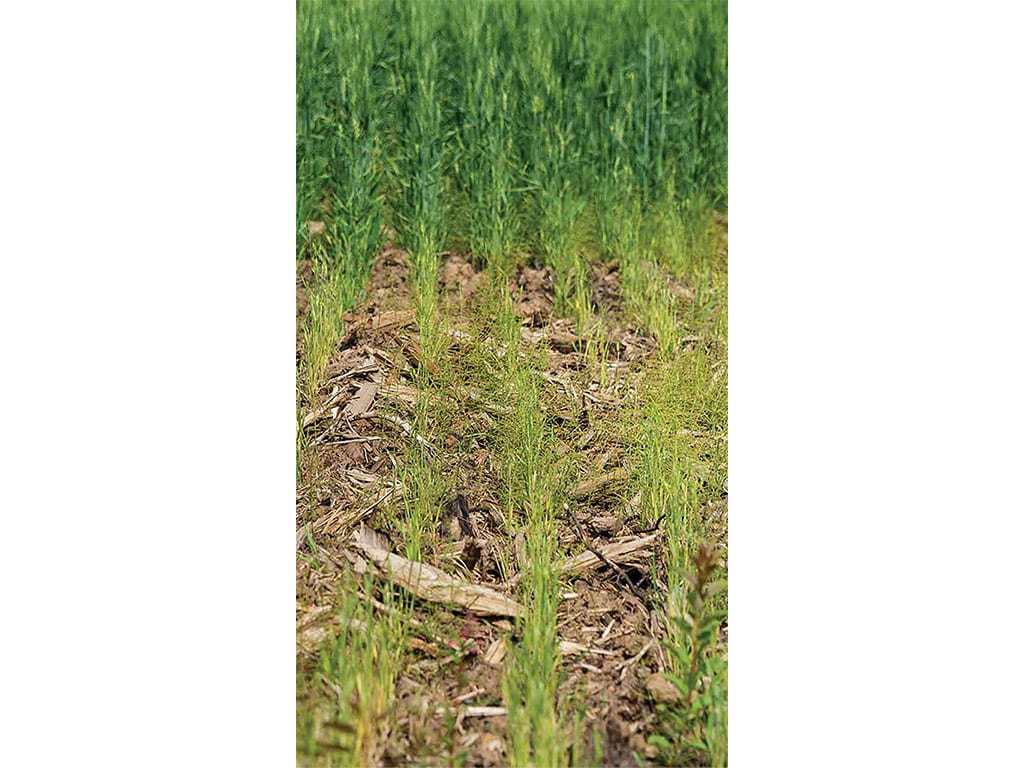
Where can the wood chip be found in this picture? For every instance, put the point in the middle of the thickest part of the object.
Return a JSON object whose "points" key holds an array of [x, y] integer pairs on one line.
{"points": [[359, 477], [362, 400], [430, 583], [470, 711], [325, 410], [403, 392], [485, 711], [495, 653], [607, 631], [568, 648], [394, 319], [617, 552], [596, 484], [413, 351], [340, 371], [344, 516], [468, 695]]}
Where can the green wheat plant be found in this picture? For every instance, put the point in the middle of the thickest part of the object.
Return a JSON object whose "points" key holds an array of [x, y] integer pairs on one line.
{"points": [[531, 677], [358, 667]]}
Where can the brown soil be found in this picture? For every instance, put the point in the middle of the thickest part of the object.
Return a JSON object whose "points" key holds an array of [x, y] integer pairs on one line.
{"points": [[612, 615], [459, 280], [606, 286], [535, 294], [389, 281]]}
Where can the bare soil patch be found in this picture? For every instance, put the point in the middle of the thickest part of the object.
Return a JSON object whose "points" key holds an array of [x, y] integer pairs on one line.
{"points": [[460, 280], [389, 280], [534, 292]]}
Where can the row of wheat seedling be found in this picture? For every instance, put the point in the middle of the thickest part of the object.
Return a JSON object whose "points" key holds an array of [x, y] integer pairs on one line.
{"points": [[339, 173], [419, 159], [349, 695], [678, 430], [530, 493]]}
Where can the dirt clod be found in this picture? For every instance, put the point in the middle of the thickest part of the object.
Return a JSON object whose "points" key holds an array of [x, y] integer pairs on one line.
{"points": [[662, 690], [535, 294]]}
